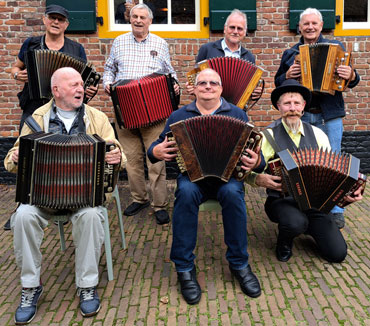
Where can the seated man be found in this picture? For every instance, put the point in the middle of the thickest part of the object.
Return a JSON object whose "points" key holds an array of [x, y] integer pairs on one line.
{"points": [[65, 114], [291, 133], [189, 195]]}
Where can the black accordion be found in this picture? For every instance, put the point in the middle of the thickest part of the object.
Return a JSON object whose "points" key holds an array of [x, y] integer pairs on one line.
{"points": [[211, 146], [143, 102], [62, 172], [318, 67], [41, 64], [239, 77], [318, 179]]}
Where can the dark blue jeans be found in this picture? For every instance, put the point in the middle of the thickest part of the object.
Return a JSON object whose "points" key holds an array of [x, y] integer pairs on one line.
{"points": [[189, 196]]}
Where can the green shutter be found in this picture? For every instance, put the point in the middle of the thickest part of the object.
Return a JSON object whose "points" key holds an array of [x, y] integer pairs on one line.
{"points": [[220, 9], [326, 7], [82, 14]]}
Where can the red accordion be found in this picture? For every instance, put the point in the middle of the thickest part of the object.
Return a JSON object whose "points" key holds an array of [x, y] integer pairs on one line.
{"points": [[143, 102], [211, 146], [239, 77], [318, 179]]}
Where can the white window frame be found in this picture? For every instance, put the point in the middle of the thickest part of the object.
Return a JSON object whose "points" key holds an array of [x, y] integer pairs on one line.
{"points": [[169, 27], [358, 25]]}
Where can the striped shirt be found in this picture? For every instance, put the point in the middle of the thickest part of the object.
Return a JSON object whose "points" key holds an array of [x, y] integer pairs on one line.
{"points": [[130, 59]]}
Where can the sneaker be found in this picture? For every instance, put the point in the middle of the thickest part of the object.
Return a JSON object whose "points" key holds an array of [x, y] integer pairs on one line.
{"points": [[27, 309], [338, 219], [89, 301]]}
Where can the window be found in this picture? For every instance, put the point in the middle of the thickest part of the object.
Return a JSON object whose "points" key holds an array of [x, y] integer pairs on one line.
{"points": [[354, 17], [172, 18]]}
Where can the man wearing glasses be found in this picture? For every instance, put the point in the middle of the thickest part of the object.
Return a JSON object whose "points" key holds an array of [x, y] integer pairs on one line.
{"points": [[189, 195]]}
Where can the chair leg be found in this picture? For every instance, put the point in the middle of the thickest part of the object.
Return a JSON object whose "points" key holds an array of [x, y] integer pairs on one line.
{"points": [[107, 245], [61, 236], [115, 194]]}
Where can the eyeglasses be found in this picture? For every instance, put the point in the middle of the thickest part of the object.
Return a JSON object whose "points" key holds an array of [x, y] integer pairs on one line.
{"points": [[54, 18], [238, 28], [204, 83]]}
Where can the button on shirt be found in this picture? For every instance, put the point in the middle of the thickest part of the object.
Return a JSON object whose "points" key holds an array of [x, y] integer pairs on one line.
{"points": [[130, 59], [228, 52]]}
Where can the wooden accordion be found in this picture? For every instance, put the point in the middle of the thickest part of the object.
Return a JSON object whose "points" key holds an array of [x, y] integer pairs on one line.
{"points": [[143, 102], [239, 77], [318, 67], [211, 146], [62, 172], [41, 64], [318, 179]]}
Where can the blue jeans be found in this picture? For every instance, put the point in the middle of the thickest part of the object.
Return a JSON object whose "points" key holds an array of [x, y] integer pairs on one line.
{"points": [[334, 130], [189, 196]]}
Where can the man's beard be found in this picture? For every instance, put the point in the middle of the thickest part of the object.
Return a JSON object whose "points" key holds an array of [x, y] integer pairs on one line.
{"points": [[292, 125]]}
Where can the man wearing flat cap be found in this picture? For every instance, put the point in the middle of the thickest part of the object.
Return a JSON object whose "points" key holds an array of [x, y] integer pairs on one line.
{"points": [[290, 132], [56, 22]]}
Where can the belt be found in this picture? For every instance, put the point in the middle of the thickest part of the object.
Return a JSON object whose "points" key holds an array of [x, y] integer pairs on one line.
{"points": [[314, 110]]}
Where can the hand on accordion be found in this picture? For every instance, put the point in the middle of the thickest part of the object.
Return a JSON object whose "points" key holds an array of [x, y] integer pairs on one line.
{"points": [[257, 93], [166, 150], [269, 181], [250, 159], [294, 71], [15, 156], [357, 196], [345, 72], [113, 156], [22, 76], [91, 91]]}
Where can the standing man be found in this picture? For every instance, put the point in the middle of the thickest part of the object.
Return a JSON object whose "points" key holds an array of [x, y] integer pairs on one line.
{"points": [[235, 30], [291, 133], [189, 195], [65, 114], [56, 22], [325, 111], [134, 55]]}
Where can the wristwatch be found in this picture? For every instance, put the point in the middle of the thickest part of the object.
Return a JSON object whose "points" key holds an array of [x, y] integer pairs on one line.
{"points": [[15, 75]]}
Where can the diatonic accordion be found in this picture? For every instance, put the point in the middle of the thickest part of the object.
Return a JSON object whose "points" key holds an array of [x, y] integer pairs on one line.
{"points": [[143, 102], [318, 67], [239, 77], [41, 64], [63, 172], [211, 146], [318, 179]]}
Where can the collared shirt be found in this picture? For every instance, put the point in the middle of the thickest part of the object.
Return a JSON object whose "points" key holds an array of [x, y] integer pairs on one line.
{"points": [[130, 59], [228, 52]]}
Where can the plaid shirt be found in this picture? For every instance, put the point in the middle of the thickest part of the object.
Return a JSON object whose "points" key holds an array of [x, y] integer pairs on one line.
{"points": [[130, 59]]}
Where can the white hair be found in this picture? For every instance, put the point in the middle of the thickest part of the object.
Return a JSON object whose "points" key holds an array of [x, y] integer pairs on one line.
{"points": [[143, 6], [310, 11], [237, 12]]}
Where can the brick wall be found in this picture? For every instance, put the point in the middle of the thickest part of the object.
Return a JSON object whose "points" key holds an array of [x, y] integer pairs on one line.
{"points": [[20, 19]]}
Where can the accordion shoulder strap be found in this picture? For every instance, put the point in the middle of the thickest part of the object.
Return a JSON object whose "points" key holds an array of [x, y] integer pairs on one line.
{"points": [[32, 124], [271, 140]]}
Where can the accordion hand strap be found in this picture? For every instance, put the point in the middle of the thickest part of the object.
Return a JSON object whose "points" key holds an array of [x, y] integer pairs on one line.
{"points": [[247, 107], [271, 140]]}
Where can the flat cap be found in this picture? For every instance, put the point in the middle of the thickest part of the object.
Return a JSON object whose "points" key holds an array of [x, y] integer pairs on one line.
{"points": [[56, 9]]}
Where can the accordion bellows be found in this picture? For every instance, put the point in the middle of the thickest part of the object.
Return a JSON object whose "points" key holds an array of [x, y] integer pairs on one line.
{"points": [[318, 67], [61, 171], [318, 179], [143, 102], [41, 64], [239, 77], [211, 145]]}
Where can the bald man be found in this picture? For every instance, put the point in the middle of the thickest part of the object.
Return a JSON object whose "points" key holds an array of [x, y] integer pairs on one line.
{"points": [[65, 114]]}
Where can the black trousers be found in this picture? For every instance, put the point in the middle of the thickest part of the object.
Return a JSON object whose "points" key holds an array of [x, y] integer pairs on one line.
{"points": [[293, 222]]}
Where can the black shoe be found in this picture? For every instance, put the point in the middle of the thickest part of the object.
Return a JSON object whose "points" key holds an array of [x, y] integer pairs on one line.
{"points": [[162, 217], [135, 208], [284, 249], [7, 225], [190, 288], [248, 281]]}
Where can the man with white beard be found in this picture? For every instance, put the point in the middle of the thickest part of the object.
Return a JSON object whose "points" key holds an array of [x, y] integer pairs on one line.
{"points": [[291, 133]]}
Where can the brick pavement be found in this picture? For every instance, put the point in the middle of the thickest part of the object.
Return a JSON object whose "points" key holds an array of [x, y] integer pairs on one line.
{"points": [[305, 291]]}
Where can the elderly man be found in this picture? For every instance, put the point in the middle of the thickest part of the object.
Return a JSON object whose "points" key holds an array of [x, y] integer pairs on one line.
{"points": [[134, 55], [65, 114], [235, 30], [190, 195], [325, 111], [291, 133]]}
